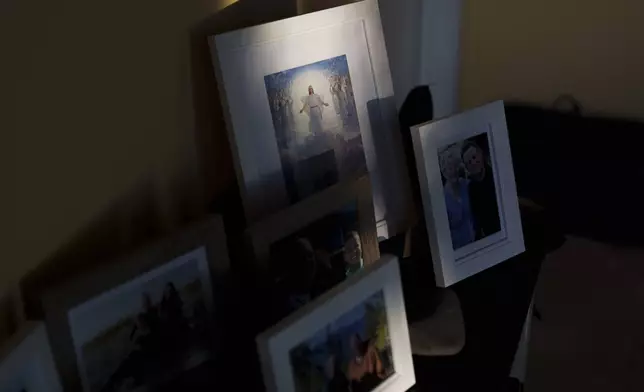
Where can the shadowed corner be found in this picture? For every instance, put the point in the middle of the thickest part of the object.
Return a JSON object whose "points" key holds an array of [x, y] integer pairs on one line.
{"points": [[391, 164], [130, 220]]}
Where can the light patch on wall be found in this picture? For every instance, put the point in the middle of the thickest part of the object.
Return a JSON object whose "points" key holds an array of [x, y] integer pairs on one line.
{"points": [[225, 3]]}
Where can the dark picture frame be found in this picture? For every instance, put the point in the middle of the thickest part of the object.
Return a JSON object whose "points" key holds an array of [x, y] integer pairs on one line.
{"points": [[263, 234]]}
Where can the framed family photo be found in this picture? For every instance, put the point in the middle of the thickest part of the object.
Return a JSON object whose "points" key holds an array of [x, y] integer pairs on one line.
{"points": [[317, 243], [144, 322], [26, 362], [353, 338], [469, 193], [308, 104]]}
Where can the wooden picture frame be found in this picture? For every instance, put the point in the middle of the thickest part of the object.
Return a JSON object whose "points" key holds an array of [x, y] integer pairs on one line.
{"points": [[26, 362], [199, 249], [327, 315], [480, 227], [284, 223]]}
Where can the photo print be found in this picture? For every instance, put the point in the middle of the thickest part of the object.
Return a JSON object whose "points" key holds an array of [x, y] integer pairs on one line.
{"points": [[469, 189], [316, 126], [316, 258], [146, 333], [352, 353]]}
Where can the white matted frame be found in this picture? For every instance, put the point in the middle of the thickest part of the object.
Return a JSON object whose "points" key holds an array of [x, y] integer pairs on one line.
{"points": [[26, 362], [274, 345], [241, 60], [452, 265], [69, 306]]}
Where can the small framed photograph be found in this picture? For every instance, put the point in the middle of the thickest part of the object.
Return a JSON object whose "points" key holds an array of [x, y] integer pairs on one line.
{"points": [[353, 338], [26, 362], [313, 245], [302, 117], [143, 322], [469, 193]]}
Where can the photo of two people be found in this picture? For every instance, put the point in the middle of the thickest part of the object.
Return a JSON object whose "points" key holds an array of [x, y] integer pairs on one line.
{"points": [[350, 354], [469, 190], [147, 336]]}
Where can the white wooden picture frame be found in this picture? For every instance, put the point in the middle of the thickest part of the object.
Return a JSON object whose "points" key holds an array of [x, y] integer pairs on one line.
{"points": [[26, 362], [330, 311], [83, 314], [242, 59], [459, 213]]}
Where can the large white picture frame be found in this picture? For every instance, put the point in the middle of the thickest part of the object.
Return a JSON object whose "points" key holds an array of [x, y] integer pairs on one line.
{"points": [[332, 317], [26, 362], [469, 193], [353, 34]]}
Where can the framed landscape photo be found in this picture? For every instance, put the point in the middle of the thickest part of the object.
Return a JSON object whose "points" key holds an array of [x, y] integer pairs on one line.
{"points": [[469, 193], [26, 362], [353, 338], [146, 321], [309, 103], [315, 244]]}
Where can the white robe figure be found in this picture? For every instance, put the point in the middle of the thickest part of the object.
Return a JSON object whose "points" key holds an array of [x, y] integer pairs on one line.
{"points": [[339, 100], [313, 106]]}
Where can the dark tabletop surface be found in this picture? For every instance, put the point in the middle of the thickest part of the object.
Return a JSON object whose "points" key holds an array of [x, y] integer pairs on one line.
{"points": [[494, 303]]}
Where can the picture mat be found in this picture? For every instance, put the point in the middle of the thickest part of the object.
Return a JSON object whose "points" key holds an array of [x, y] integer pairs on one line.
{"points": [[78, 316], [428, 138], [26, 362], [491, 241], [388, 167], [275, 344]]}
